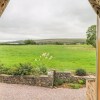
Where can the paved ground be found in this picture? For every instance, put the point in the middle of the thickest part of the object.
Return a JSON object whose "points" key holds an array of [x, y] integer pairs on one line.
{"points": [[24, 92]]}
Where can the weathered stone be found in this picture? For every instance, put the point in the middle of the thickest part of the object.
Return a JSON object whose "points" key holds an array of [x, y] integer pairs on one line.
{"points": [[96, 6], [43, 80], [27, 80], [3, 4], [91, 89]]}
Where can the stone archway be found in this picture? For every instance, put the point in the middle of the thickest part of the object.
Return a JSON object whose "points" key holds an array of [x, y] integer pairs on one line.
{"points": [[96, 6], [3, 4]]}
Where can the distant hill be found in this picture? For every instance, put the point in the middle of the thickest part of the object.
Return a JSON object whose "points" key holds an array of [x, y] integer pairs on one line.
{"points": [[51, 41], [64, 41]]}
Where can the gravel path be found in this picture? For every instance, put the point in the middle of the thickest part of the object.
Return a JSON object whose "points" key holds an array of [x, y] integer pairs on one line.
{"points": [[24, 92]]}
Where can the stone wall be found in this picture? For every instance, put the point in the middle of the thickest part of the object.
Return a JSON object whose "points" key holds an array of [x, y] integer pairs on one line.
{"points": [[17, 79], [91, 89], [43, 80], [62, 75], [68, 77]]}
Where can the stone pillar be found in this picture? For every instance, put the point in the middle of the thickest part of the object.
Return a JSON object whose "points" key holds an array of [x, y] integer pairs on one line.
{"points": [[96, 6], [51, 74], [91, 89], [98, 58]]}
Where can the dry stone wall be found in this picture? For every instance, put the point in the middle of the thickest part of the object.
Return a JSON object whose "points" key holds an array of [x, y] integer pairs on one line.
{"points": [[68, 77], [43, 80]]}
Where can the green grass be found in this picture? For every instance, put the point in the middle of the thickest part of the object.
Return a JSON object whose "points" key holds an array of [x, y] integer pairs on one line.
{"points": [[65, 57]]}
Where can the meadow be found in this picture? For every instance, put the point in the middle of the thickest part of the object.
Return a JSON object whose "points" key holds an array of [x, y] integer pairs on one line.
{"points": [[65, 57]]}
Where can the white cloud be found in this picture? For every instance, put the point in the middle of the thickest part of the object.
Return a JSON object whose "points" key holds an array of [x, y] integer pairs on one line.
{"points": [[24, 19]]}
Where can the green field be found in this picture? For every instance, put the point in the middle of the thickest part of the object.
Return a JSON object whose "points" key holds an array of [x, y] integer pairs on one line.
{"points": [[65, 57]]}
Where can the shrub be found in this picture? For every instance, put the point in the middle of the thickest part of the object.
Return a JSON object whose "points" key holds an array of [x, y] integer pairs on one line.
{"points": [[75, 86], [81, 81], [59, 43], [43, 70], [58, 82], [80, 72], [23, 69], [3, 69], [42, 62], [29, 42], [35, 71]]}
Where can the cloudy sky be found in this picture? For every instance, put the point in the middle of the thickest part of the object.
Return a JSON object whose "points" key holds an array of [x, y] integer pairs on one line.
{"points": [[43, 19]]}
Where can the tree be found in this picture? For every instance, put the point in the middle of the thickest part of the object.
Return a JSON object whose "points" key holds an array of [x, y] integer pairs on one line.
{"points": [[29, 42], [91, 35]]}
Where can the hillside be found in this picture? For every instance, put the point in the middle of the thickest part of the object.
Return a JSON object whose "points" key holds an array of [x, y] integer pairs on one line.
{"points": [[50, 41]]}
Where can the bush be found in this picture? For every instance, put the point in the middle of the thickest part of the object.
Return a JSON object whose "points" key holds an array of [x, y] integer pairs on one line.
{"points": [[23, 69], [42, 62], [80, 72], [82, 82], [58, 82], [3, 69], [75, 86], [59, 43], [43, 70], [27, 42]]}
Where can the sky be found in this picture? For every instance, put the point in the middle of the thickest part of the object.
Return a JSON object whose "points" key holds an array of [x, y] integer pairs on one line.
{"points": [[46, 19]]}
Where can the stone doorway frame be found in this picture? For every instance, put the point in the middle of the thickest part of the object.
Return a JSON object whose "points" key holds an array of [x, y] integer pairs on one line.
{"points": [[96, 6], [3, 5]]}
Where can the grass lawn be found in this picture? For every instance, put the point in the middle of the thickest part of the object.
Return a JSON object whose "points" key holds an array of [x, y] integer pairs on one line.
{"points": [[65, 57]]}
